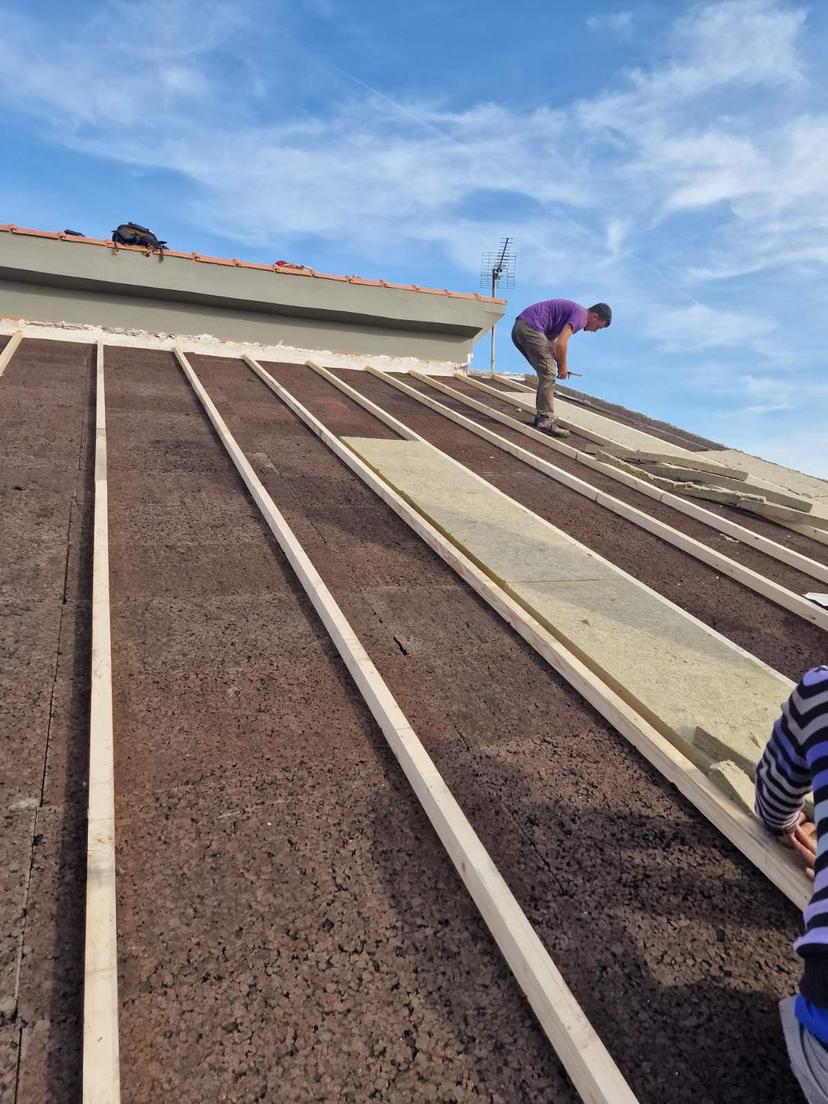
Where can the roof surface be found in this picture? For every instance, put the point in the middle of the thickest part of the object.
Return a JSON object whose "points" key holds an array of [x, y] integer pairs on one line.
{"points": [[277, 882]]}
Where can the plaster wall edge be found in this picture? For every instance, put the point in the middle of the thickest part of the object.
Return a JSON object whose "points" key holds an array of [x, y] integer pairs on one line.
{"points": [[209, 345]]}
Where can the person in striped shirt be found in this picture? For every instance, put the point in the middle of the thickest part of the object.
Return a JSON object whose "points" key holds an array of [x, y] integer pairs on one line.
{"points": [[794, 761]]}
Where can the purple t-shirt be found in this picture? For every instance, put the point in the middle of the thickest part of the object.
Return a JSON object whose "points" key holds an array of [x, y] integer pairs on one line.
{"points": [[552, 315]]}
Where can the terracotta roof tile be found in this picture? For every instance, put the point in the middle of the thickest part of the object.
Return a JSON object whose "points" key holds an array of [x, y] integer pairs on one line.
{"points": [[282, 269]]}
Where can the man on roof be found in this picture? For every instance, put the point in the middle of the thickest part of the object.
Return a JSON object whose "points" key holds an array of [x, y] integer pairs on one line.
{"points": [[794, 761], [542, 333]]}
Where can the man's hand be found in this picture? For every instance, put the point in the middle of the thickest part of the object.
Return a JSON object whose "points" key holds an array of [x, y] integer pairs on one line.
{"points": [[803, 840], [559, 350]]}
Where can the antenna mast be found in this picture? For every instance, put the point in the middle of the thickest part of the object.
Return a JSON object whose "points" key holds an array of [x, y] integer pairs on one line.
{"points": [[497, 270]]}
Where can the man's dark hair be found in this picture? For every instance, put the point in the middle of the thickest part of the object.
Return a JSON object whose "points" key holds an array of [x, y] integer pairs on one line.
{"points": [[603, 312]]}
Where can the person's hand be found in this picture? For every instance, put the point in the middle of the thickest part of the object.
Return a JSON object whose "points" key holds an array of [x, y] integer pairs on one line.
{"points": [[562, 373], [803, 840]]}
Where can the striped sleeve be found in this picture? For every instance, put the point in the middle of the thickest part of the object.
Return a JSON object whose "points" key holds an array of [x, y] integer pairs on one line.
{"points": [[797, 747]]}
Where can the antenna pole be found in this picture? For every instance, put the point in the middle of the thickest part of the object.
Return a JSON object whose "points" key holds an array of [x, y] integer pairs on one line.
{"points": [[492, 353], [498, 267]]}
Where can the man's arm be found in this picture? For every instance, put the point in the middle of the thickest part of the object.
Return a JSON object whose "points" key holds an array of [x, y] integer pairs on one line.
{"points": [[783, 776], [559, 346]]}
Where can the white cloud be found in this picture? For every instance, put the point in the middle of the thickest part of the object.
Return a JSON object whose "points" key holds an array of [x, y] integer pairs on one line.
{"points": [[619, 23], [760, 170], [371, 168], [735, 44], [800, 446], [617, 231], [746, 42], [698, 327], [765, 394], [781, 389]]}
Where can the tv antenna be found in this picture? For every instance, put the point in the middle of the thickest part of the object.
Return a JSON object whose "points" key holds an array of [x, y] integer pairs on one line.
{"points": [[497, 270]]}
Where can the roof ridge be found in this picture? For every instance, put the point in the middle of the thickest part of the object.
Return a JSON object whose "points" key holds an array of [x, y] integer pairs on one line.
{"points": [[277, 266]]}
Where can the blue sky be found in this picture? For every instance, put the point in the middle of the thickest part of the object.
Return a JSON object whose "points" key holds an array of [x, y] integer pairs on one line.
{"points": [[668, 158]]}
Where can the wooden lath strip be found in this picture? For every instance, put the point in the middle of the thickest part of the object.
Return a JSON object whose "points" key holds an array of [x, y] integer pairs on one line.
{"points": [[101, 1076], [10, 349]]}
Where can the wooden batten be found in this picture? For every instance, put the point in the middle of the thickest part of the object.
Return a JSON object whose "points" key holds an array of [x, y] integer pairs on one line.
{"points": [[10, 349], [101, 1076]]}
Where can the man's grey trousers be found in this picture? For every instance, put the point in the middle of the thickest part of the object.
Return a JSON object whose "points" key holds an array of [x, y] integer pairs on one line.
{"points": [[537, 348]]}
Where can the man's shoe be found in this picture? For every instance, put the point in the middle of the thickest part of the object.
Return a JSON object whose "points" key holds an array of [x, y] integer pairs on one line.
{"points": [[546, 425]]}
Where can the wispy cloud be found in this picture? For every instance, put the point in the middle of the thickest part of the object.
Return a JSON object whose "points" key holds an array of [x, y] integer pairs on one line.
{"points": [[801, 447], [376, 163], [761, 392], [127, 64], [618, 23], [698, 327]]}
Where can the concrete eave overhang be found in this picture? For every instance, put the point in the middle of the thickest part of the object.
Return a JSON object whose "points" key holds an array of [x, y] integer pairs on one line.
{"points": [[92, 265]]}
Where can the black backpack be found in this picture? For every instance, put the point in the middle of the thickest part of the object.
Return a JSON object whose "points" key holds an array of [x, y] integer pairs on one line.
{"points": [[130, 233]]}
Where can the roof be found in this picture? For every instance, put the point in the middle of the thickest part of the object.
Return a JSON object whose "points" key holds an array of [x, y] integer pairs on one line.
{"points": [[234, 723], [277, 266]]}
